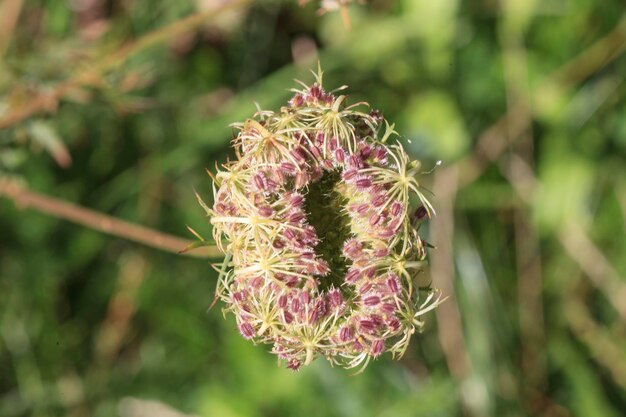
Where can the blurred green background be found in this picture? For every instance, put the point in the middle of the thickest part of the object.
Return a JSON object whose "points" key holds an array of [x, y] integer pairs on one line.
{"points": [[523, 101]]}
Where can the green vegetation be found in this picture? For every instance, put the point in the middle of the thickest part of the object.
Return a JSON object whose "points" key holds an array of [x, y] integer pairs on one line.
{"points": [[120, 106]]}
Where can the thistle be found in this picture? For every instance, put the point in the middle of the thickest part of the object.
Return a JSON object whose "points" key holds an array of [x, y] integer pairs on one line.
{"points": [[318, 216]]}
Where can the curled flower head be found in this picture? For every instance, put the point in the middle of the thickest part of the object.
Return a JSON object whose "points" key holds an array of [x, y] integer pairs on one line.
{"points": [[318, 217]]}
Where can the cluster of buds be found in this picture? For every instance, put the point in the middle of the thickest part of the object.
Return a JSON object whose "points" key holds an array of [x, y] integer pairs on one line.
{"points": [[318, 217]]}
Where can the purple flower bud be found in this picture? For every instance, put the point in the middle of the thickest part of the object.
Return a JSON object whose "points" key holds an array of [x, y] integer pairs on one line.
{"points": [[380, 154], [270, 184], [319, 138], [370, 271], [296, 217], [282, 301], [305, 297], [308, 255], [377, 320], [256, 282], [316, 92], [366, 325], [295, 305], [377, 347], [394, 324], [365, 288], [396, 208], [291, 281], [366, 150], [279, 176], [299, 155], [388, 308], [363, 208], [265, 211], [354, 162], [294, 365], [327, 164], [309, 235], [393, 284], [335, 298], [371, 301], [319, 268], [259, 181], [319, 311], [316, 152], [288, 168], [376, 115], [352, 249], [340, 155], [375, 219], [296, 200], [302, 179], [296, 101], [220, 208], [345, 334], [420, 213], [363, 183], [289, 234], [379, 200], [353, 276], [381, 253], [287, 317], [239, 296], [246, 330], [349, 174]]}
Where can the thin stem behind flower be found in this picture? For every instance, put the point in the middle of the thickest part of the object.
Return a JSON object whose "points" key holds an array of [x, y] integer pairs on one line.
{"points": [[26, 198]]}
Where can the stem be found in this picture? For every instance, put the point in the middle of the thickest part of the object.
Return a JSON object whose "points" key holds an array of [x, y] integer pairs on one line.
{"points": [[47, 100], [101, 222]]}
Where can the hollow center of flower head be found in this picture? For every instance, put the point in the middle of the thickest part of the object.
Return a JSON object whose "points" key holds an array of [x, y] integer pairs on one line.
{"points": [[324, 205]]}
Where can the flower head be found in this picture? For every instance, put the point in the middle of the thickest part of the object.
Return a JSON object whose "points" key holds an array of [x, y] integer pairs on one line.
{"points": [[319, 218]]}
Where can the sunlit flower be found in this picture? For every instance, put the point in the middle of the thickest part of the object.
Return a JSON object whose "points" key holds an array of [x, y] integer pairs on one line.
{"points": [[318, 216]]}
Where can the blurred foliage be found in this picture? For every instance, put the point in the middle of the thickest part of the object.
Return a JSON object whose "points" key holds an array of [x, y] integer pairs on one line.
{"points": [[94, 326]]}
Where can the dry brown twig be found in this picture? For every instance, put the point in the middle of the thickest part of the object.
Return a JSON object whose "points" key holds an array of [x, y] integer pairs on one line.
{"points": [[25, 198]]}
